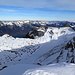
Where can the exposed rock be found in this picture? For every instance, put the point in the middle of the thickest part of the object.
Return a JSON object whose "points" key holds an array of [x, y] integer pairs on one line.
{"points": [[74, 38], [1, 23], [33, 34], [73, 28], [66, 25], [3, 67], [36, 32]]}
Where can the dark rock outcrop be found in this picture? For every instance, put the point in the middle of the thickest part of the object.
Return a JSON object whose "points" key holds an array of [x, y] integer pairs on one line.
{"points": [[36, 32], [32, 34], [66, 25]]}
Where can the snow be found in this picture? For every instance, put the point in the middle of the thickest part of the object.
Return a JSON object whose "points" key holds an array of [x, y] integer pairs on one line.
{"points": [[55, 69], [21, 42], [29, 69], [17, 69], [21, 54], [42, 43]]}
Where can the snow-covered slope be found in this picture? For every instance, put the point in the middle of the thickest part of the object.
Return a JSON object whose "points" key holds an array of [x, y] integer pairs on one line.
{"points": [[60, 53], [29, 69], [57, 45], [54, 69]]}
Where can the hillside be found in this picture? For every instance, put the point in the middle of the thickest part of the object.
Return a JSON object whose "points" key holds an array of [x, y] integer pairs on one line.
{"points": [[21, 27], [55, 46]]}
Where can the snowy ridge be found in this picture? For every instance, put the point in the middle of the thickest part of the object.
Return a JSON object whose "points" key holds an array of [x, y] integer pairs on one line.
{"points": [[57, 45], [36, 23], [60, 53]]}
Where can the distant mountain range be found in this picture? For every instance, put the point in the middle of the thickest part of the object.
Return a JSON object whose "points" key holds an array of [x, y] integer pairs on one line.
{"points": [[22, 28]]}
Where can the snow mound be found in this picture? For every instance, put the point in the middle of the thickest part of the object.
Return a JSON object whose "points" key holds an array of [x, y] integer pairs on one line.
{"points": [[60, 69], [39, 72], [6, 36]]}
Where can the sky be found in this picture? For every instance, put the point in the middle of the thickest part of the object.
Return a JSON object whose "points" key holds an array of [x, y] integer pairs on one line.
{"points": [[50, 10]]}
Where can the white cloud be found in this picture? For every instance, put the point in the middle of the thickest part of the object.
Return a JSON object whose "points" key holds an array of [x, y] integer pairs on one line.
{"points": [[51, 4], [7, 10]]}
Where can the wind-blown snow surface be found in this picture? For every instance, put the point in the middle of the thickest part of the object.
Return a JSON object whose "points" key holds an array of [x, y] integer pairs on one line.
{"points": [[31, 51], [55, 69]]}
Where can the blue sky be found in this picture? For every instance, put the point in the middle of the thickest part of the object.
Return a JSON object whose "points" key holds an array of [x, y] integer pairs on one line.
{"points": [[51, 10]]}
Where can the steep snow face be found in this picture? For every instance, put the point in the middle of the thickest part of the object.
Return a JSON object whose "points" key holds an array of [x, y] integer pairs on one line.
{"points": [[43, 50], [60, 53]]}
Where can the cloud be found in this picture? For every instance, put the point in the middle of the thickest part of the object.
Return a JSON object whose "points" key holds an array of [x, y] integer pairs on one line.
{"points": [[49, 4], [7, 10]]}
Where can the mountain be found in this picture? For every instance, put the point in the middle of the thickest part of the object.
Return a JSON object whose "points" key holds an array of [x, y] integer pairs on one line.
{"points": [[23, 27], [14, 30], [60, 53], [29, 44], [56, 45]]}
